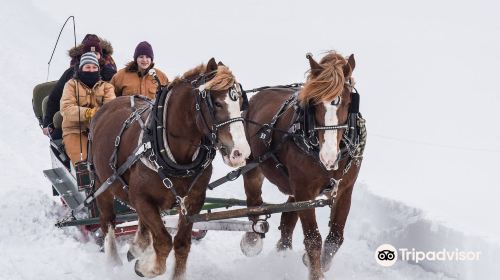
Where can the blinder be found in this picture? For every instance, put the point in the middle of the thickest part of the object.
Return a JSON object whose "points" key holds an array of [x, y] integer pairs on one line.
{"points": [[310, 128], [204, 95]]}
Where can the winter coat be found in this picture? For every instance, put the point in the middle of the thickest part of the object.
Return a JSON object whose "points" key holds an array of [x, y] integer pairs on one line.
{"points": [[108, 69], [130, 81], [101, 93]]}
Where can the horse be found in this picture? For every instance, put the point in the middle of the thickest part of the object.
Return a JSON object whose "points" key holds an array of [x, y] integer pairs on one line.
{"points": [[304, 131], [195, 115]]}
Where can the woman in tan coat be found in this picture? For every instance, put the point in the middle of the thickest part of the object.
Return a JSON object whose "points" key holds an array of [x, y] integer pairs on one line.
{"points": [[82, 97], [135, 78]]}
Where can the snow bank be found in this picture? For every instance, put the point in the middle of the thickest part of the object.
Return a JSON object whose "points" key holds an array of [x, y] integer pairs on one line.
{"points": [[32, 248]]}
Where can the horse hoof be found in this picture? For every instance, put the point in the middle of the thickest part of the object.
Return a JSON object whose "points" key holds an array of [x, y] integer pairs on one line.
{"points": [[130, 256], [326, 261], [329, 250], [283, 246], [136, 270], [251, 244], [305, 259]]}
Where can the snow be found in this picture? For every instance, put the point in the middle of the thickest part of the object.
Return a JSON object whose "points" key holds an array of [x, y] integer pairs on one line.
{"points": [[426, 72]]}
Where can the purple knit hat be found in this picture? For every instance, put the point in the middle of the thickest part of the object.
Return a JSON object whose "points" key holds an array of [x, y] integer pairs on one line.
{"points": [[143, 48]]}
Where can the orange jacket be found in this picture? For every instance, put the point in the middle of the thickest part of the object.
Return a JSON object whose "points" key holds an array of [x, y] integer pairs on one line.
{"points": [[95, 97], [129, 81]]}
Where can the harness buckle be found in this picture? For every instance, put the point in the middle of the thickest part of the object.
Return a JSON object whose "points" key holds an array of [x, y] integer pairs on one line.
{"points": [[213, 137], [294, 128], [167, 183], [117, 141], [314, 141]]}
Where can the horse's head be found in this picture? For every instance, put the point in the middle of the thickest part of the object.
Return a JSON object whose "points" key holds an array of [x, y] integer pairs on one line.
{"points": [[328, 91], [221, 113]]}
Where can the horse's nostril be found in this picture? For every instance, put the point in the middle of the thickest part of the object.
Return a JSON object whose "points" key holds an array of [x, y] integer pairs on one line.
{"points": [[236, 153]]}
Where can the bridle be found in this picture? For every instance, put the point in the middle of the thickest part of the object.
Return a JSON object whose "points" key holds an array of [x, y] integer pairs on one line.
{"points": [[306, 128], [309, 127], [204, 96]]}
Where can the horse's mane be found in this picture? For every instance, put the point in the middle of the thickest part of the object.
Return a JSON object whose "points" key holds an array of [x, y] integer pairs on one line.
{"points": [[223, 79], [328, 84]]}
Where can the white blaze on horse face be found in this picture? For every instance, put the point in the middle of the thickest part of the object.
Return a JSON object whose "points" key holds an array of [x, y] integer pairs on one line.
{"points": [[240, 150], [329, 148]]}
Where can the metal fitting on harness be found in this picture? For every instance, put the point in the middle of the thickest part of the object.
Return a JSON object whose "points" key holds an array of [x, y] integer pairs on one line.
{"points": [[117, 141], [182, 205], [167, 183]]}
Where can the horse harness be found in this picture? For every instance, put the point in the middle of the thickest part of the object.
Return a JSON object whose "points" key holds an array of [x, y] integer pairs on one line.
{"points": [[154, 147], [303, 130]]}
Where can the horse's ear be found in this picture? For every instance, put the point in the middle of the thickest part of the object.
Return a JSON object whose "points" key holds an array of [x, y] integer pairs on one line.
{"points": [[349, 67], [220, 63], [315, 67], [211, 65]]}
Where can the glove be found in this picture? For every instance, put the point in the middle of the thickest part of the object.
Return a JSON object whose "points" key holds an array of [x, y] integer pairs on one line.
{"points": [[89, 113]]}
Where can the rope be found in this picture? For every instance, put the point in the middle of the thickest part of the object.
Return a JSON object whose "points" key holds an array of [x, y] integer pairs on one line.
{"points": [[57, 41]]}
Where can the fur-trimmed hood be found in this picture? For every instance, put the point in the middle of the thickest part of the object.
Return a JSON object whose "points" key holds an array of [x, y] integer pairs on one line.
{"points": [[77, 51]]}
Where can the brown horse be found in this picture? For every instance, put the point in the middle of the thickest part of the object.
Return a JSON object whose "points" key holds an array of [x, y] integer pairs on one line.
{"points": [[205, 103], [300, 173]]}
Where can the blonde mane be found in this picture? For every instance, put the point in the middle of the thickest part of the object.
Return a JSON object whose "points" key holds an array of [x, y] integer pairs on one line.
{"points": [[328, 84], [222, 80]]}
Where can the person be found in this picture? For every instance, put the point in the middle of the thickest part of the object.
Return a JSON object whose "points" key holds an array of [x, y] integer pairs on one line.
{"points": [[135, 78], [103, 50], [82, 97]]}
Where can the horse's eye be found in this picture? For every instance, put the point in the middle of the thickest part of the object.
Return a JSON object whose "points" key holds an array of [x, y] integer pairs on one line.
{"points": [[336, 101], [218, 105]]}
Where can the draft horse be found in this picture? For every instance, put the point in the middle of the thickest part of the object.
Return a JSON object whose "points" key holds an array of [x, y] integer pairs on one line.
{"points": [[311, 134], [195, 115]]}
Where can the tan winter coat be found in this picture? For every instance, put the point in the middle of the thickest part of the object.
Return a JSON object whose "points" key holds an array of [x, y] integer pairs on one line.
{"points": [[129, 81], [101, 93]]}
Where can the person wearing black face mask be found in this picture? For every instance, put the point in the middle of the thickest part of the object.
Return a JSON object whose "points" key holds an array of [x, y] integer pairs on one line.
{"points": [[82, 97], [107, 68]]}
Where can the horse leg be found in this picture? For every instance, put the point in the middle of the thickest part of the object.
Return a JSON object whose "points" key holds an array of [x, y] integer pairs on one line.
{"points": [[287, 225], [251, 243], [140, 243], [182, 241], [335, 237], [182, 246], [153, 261], [107, 220], [312, 240]]}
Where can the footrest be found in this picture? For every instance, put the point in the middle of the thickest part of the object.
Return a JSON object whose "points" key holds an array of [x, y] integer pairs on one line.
{"points": [[65, 185]]}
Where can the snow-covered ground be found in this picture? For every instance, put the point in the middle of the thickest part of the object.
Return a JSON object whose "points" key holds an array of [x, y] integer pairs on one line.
{"points": [[426, 74]]}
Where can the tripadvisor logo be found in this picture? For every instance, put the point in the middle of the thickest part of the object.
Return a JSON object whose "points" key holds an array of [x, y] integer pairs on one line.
{"points": [[387, 255]]}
